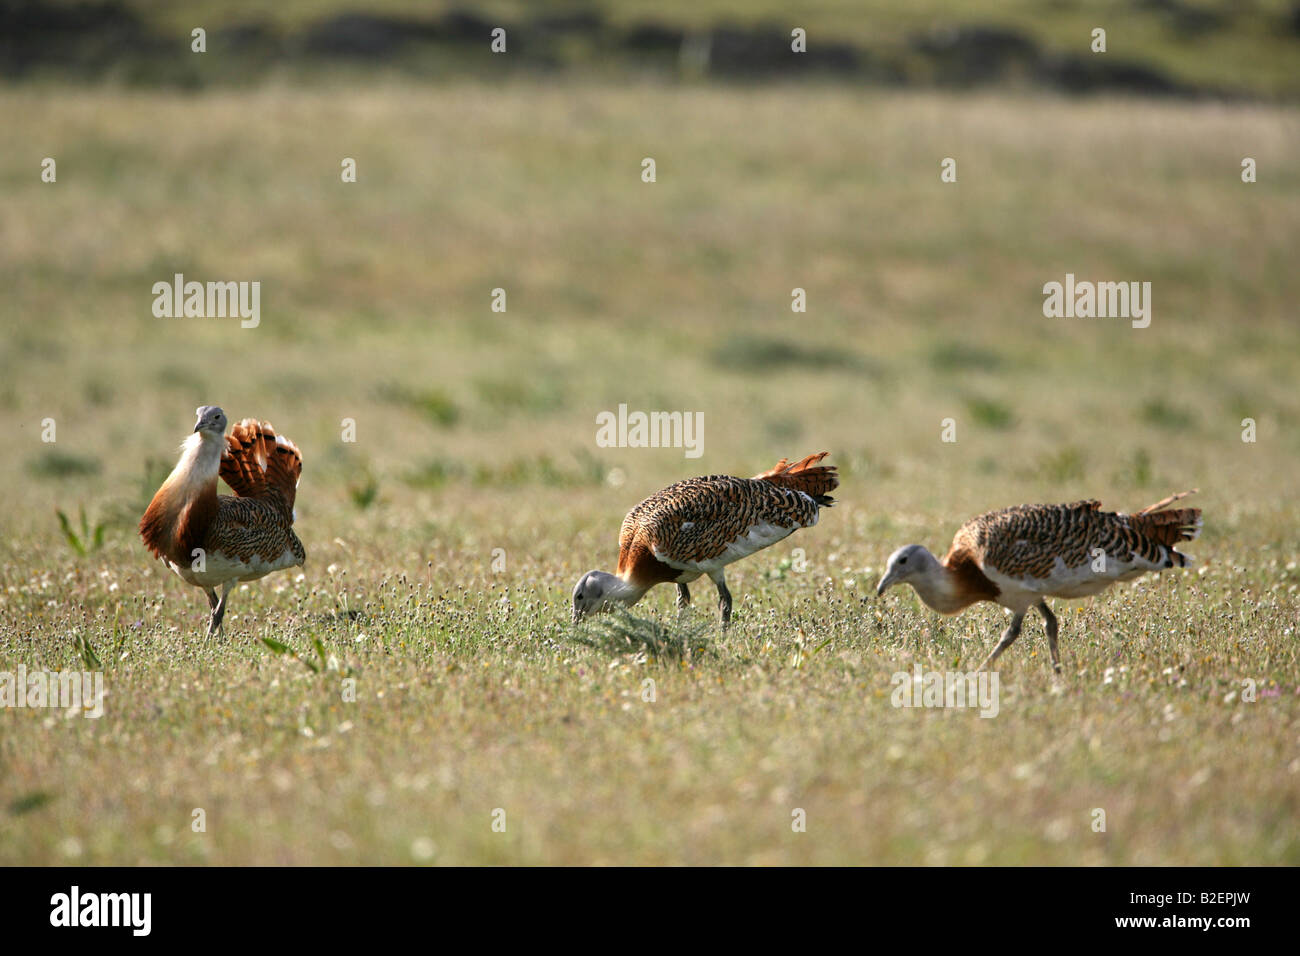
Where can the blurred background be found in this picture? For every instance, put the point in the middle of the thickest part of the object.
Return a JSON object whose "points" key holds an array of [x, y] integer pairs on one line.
{"points": [[1169, 47], [776, 171]]}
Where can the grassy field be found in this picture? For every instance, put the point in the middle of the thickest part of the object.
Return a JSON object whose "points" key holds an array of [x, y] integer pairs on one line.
{"points": [[475, 431]]}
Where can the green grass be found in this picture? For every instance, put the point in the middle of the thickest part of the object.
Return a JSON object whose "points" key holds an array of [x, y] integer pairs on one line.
{"points": [[442, 547]]}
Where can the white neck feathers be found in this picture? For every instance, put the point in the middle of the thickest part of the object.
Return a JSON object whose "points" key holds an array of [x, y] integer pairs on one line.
{"points": [[625, 592], [938, 587], [200, 463]]}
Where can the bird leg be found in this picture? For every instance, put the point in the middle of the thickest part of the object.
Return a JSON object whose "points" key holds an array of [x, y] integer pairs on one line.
{"points": [[1008, 638], [724, 599], [219, 611], [212, 607], [1050, 620], [683, 597]]}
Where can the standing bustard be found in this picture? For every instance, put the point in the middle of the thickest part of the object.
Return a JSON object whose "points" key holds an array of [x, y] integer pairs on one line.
{"points": [[1021, 556], [210, 539], [700, 525]]}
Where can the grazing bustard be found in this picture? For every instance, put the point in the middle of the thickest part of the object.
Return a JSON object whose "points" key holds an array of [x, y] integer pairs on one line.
{"points": [[210, 539], [700, 525], [1019, 557]]}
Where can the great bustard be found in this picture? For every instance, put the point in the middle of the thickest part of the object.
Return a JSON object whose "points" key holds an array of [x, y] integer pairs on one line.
{"points": [[699, 526], [1021, 556], [213, 540]]}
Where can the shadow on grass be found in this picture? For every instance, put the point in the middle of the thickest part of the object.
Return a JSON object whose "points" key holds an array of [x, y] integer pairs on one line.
{"points": [[621, 632], [339, 617]]}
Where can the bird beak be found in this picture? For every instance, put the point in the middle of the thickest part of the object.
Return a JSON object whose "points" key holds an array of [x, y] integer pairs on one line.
{"points": [[884, 584]]}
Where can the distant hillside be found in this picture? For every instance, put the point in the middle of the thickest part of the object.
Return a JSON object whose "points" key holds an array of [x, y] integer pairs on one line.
{"points": [[1247, 48]]}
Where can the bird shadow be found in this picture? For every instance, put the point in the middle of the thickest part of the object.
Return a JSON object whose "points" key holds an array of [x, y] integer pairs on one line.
{"points": [[333, 618], [620, 632]]}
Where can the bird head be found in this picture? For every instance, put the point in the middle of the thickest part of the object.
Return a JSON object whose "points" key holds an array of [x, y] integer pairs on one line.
{"points": [[211, 419], [593, 593], [907, 563]]}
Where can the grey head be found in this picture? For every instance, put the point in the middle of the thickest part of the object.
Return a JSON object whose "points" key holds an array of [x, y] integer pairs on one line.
{"points": [[907, 563], [211, 419], [593, 592]]}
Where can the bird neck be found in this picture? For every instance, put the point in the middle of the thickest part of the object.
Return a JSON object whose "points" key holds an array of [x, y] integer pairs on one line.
{"points": [[179, 514], [625, 591], [195, 475], [941, 589]]}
